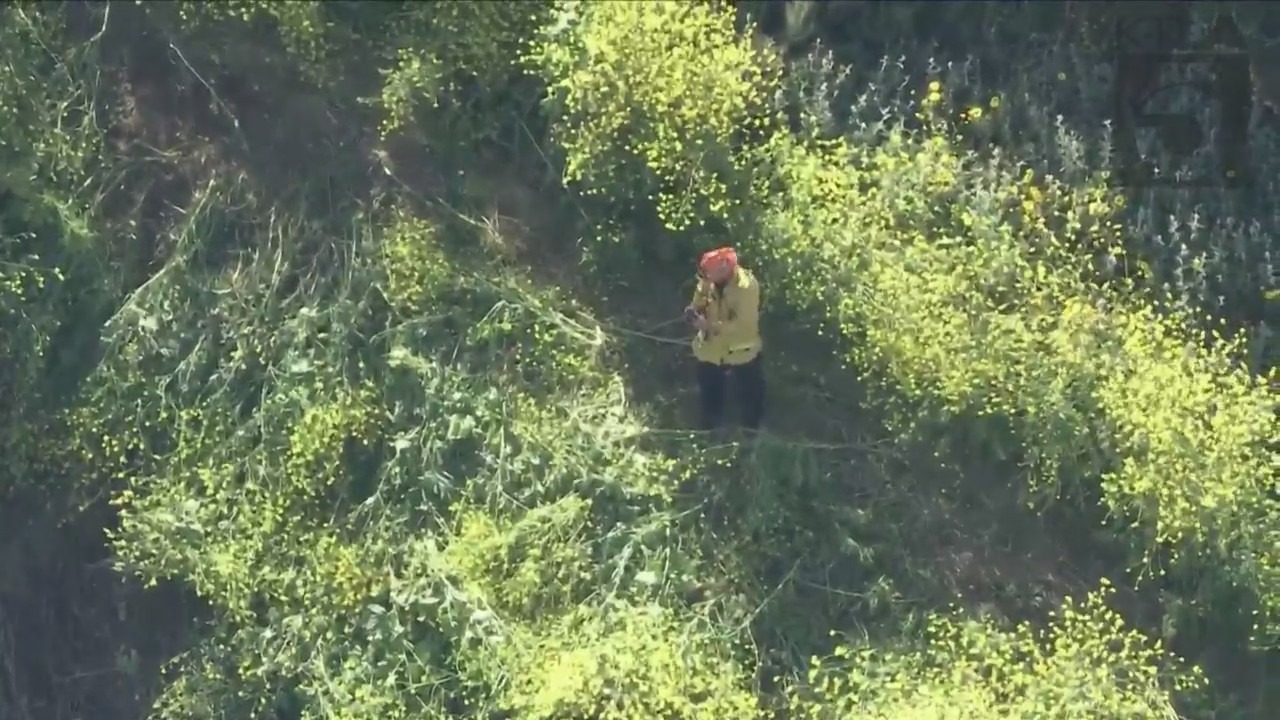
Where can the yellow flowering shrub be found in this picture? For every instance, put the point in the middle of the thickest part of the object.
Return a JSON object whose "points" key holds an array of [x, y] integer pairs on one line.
{"points": [[51, 169], [314, 461], [1086, 663], [624, 662], [528, 567], [412, 260], [460, 55], [652, 98], [25, 327], [432, 57], [968, 287], [51, 173], [306, 30]]}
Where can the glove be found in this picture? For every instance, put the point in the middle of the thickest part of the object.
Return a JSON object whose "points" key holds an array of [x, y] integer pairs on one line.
{"points": [[691, 315]]}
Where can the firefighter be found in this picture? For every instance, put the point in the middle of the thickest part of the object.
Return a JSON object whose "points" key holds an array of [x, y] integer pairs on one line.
{"points": [[726, 313]]}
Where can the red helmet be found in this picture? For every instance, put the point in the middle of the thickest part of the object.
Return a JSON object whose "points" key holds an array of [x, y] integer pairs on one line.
{"points": [[718, 263]]}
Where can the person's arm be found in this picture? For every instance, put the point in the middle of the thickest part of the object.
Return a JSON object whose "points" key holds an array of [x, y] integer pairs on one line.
{"points": [[701, 295], [697, 307]]}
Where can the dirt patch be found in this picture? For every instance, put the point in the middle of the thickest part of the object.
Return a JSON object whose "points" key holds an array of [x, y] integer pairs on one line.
{"points": [[163, 135], [178, 117]]}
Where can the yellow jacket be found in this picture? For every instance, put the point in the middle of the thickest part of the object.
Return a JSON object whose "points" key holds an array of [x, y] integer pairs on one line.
{"points": [[733, 333]]}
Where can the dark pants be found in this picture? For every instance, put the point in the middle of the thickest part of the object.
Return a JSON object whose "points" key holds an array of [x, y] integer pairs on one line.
{"points": [[748, 382]]}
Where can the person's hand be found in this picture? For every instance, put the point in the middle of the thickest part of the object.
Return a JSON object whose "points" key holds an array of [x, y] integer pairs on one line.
{"points": [[691, 315]]}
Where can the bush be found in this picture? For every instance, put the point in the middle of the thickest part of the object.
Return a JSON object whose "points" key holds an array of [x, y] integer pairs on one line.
{"points": [[625, 663], [651, 100], [965, 287], [50, 145], [457, 66], [369, 519], [1085, 664], [52, 169]]}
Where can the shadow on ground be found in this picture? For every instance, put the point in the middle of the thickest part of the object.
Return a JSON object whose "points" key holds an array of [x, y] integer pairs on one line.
{"points": [[77, 639]]}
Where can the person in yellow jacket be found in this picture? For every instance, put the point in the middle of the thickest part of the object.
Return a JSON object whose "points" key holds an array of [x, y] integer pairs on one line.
{"points": [[726, 312]]}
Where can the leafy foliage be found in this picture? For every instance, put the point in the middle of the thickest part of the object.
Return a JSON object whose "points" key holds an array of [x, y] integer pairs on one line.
{"points": [[982, 274], [623, 664], [971, 290], [39, 163], [407, 480], [1085, 663], [1196, 245], [653, 99], [49, 189], [467, 58]]}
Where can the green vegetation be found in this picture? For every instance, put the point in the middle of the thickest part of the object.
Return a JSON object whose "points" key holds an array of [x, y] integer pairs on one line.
{"points": [[336, 383]]}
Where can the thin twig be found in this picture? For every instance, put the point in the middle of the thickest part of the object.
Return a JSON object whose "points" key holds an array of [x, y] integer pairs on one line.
{"points": [[235, 122]]}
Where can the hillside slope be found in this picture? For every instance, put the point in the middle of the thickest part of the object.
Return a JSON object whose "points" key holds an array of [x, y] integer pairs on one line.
{"points": [[343, 382]]}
